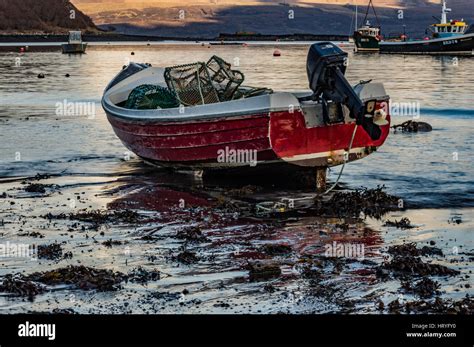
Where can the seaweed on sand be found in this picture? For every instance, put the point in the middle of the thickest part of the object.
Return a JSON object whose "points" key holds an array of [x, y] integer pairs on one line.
{"points": [[424, 288], [32, 234], [276, 249], [140, 275], [401, 266], [410, 249], [110, 243], [18, 285], [81, 277], [464, 306], [37, 177], [403, 223], [36, 188], [51, 252], [187, 257], [98, 216], [369, 202], [191, 234], [263, 270]]}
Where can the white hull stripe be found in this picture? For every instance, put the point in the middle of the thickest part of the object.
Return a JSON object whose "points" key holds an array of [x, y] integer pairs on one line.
{"points": [[339, 152]]}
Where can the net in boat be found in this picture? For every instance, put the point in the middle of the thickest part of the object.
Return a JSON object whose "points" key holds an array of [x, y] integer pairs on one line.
{"points": [[199, 83], [226, 80], [192, 84], [149, 96]]}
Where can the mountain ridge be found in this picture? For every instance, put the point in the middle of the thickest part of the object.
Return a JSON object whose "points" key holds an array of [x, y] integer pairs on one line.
{"points": [[209, 18], [45, 16]]}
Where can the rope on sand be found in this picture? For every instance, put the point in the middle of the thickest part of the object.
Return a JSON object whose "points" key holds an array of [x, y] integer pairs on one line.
{"points": [[283, 205]]}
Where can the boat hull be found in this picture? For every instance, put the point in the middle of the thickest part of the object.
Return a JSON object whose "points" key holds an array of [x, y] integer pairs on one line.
{"points": [[458, 45], [78, 48], [365, 43], [247, 141]]}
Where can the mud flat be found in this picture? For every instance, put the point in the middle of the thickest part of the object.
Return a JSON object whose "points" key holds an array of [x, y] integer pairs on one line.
{"points": [[170, 243]]}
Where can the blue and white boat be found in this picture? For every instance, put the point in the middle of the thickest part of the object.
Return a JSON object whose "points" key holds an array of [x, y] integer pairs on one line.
{"points": [[453, 37]]}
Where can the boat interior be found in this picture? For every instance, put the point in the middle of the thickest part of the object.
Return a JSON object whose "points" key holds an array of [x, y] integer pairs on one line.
{"points": [[209, 90]]}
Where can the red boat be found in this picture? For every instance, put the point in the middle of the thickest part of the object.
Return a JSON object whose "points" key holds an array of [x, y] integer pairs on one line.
{"points": [[329, 125]]}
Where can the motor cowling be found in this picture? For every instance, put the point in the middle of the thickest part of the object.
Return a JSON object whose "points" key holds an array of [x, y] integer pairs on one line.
{"points": [[326, 65]]}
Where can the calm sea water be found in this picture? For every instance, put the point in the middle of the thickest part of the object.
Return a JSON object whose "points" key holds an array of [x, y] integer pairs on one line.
{"points": [[429, 170]]}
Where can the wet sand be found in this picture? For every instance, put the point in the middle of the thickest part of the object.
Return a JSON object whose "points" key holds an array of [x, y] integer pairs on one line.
{"points": [[159, 242], [173, 243]]}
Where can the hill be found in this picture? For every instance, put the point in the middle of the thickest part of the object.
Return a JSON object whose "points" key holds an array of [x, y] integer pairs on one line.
{"points": [[46, 16], [208, 18]]}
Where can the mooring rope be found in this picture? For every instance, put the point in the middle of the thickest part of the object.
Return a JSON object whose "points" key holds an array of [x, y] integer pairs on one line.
{"points": [[281, 206], [343, 165]]}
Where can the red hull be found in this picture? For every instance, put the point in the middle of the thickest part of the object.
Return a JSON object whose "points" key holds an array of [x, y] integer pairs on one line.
{"points": [[275, 136]]}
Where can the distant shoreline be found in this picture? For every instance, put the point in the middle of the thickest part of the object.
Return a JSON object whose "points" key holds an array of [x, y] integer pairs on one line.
{"points": [[44, 38], [52, 42]]}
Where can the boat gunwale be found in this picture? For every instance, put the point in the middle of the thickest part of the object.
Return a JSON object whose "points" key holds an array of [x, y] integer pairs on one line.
{"points": [[204, 112]]}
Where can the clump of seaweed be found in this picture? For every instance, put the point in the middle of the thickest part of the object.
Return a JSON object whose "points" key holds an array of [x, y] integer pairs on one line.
{"points": [[18, 285], [367, 202], [402, 266], [98, 216], [187, 257], [425, 288], [410, 249], [40, 176], [438, 305], [403, 223], [36, 188], [263, 270], [53, 251], [37, 177], [81, 277], [35, 234], [110, 243], [276, 249], [191, 234], [143, 276]]}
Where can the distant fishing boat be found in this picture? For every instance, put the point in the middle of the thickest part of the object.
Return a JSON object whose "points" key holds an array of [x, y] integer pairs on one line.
{"points": [[448, 37], [199, 116], [75, 44], [367, 37]]}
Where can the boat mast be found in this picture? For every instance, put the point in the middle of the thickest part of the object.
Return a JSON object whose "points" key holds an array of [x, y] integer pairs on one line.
{"points": [[356, 24], [375, 13], [444, 12]]}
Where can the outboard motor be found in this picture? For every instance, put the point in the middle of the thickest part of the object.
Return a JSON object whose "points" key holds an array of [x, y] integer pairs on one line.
{"points": [[326, 65]]}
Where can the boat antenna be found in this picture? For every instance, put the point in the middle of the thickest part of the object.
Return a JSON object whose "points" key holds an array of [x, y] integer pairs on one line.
{"points": [[375, 13], [357, 13], [444, 12], [352, 21]]}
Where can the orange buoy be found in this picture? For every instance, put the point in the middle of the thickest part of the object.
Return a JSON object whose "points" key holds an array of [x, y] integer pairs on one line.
{"points": [[276, 53]]}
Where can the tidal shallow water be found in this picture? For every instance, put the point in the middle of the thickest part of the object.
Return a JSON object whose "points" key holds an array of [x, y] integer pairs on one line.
{"points": [[432, 173]]}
